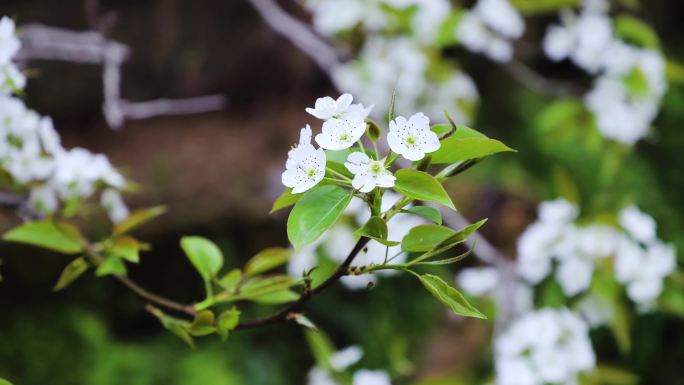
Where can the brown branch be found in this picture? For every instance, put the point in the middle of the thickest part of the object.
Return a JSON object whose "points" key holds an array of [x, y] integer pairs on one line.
{"points": [[97, 260], [284, 314]]}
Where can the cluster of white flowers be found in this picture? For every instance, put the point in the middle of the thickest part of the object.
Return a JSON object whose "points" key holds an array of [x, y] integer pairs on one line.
{"points": [[486, 281], [631, 81], [489, 28], [548, 346], [387, 64], [641, 260], [11, 79], [344, 125], [32, 154], [335, 243], [341, 361]]}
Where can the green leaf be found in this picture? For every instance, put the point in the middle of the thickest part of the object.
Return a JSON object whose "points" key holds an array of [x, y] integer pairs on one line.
{"points": [[317, 210], [137, 219], [449, 296], [203, 324], [286, 199], [176, 326], [227, 321], [267, 259], [257, 287], [231, 279], [427, 212], [535, 7], [449, 243], [71, 272], [636, 32], [321, 348], [127, 248], [373, 131], [4, 382], [459, 149], [461, 132], [446, 261], [421, 186], [276, 297], [425, 237], [111, 265], [375, 229], [204, 255], [62, 237]]}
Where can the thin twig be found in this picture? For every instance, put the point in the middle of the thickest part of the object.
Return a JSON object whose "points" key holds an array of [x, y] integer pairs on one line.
{"points": [[298, 33]]}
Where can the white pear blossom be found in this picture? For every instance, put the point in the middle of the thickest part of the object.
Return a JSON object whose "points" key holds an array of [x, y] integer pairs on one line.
{"points": [[368, 173], [412, 138], [43, 199], [478, 281], [490, 27], [327, 107], [9, 43], [638, 224], [346, 357], [112, 201], [338, 134], [305, 166], [371, 377], [548, 346]]}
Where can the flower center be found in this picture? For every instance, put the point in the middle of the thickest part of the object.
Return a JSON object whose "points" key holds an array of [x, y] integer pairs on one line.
{"points": [[411, 140], [310, 173], [344, 137], [376, 167]]}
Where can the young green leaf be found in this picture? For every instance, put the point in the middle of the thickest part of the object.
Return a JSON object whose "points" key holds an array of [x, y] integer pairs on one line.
{"points": [[267, 259], [425, 237], [111, 265], [375, 229], [427, 212], [636, 31], [230, 280], [421, 186], [71, 272], [127, 248], [459, 149], [449, 243], [204, 255], [227, 321], [304, 321], [317, 210], [176, 326], [137, 219], [449, 296], [203, 324], [286, 199], [276, 297], [62, 237]]}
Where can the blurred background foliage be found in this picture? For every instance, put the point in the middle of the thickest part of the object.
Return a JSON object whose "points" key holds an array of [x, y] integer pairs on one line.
{"points": [[208, 169]]}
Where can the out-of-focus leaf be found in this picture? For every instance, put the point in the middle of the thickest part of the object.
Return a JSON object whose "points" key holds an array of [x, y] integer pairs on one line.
{"points": [[276, 297], [71, 272], [611, 375], [321, 348], [427, 212], [4, 382], [127, 248], [374, 131], [621, 327], [286, 199], [636, 32], [421, 186], [227, 321], [267, 259], [535, 7], [204, 255], [174, 325], [203, 324], [62, 237], [375, 229], [317, 210], [231, 279], [449, 296], [137, 219], [111, 265]]}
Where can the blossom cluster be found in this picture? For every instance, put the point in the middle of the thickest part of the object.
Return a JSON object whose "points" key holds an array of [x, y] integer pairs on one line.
{"points": [[641, 260], [548, 346], [490, 28], [389, 61], [334, 244], [340, 362], [344, 125], [630, 80], [32, 154]]}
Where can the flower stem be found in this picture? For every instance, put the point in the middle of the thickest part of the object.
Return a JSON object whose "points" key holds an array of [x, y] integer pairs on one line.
{"points": [[338, 174]]}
